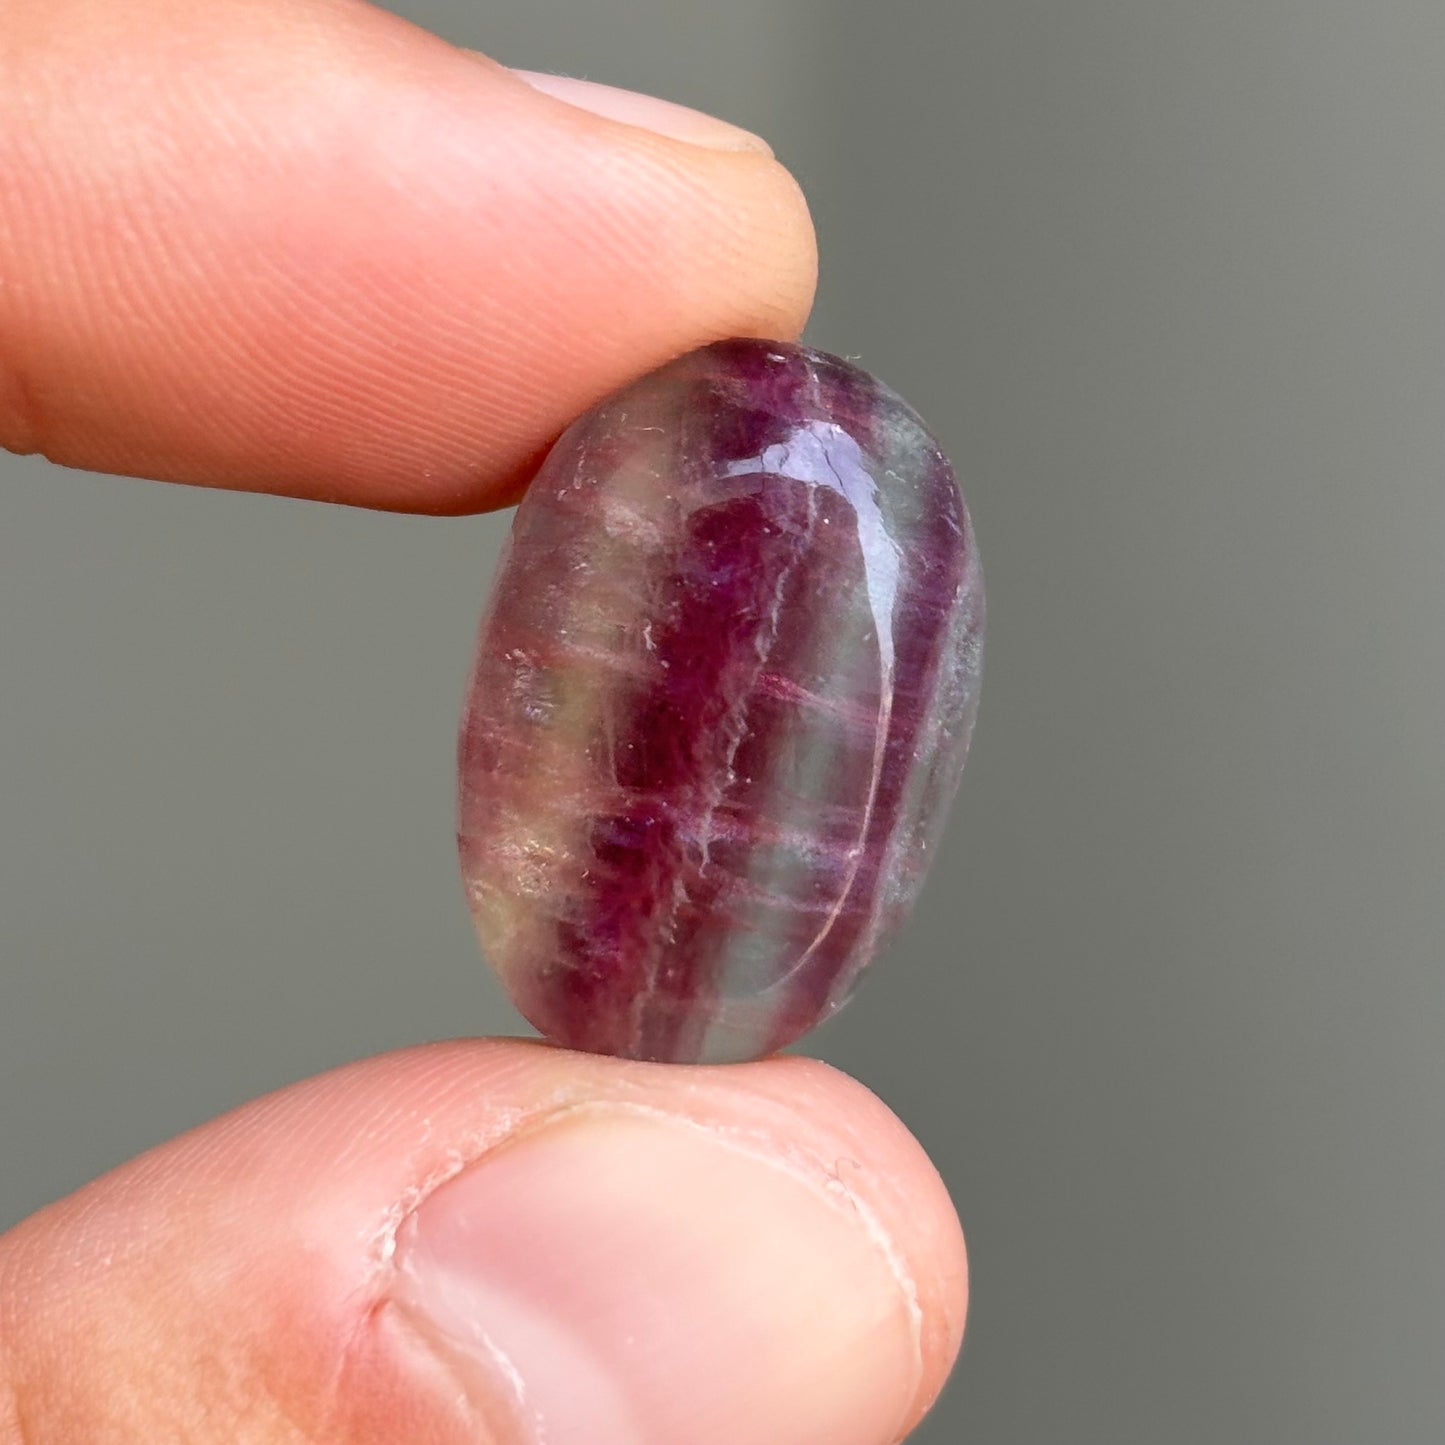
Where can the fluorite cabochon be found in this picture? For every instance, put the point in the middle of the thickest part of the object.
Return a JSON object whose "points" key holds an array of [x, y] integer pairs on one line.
{"points": [[721, 701]]}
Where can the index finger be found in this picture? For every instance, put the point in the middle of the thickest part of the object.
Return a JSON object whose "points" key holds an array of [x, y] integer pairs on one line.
{"points": [[300, 246]]}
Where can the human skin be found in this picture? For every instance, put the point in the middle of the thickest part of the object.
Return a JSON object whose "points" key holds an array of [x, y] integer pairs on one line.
{"points": [[301, 247]]}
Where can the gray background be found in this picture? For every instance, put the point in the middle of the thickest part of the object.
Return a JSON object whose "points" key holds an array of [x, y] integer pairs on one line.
{"points": [[1168, 280]]}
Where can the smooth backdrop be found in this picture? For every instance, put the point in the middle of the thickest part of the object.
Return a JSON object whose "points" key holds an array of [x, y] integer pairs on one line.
{"points": [[1167, 279]]}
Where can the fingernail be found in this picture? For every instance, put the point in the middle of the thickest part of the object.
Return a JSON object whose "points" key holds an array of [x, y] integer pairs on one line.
{"points": [[629, 1279], [647, 111]]}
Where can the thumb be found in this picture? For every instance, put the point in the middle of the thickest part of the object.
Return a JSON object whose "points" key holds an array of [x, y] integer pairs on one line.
{"points": [[499, 1243], [302, 246]]}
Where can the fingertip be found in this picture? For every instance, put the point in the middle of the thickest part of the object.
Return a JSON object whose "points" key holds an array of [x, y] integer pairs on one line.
{"points": [[512, 1239], [779, 1164], [318, 252]]}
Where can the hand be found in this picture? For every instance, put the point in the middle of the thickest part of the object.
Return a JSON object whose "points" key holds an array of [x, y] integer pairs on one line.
{"points": [[299, 246]]}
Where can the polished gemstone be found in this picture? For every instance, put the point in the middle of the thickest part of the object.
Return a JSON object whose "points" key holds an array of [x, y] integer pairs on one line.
{"points": [[722, 698]]}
